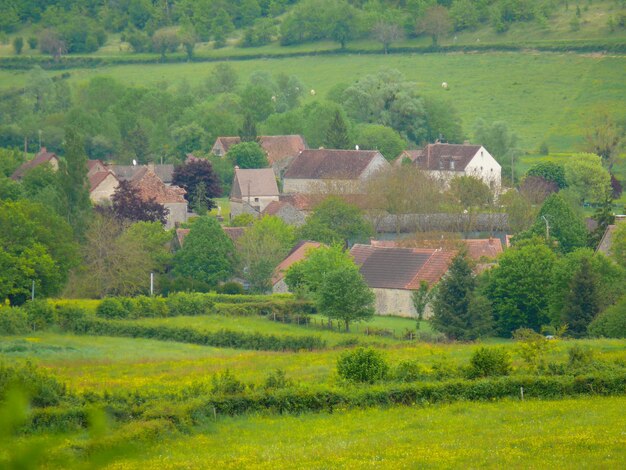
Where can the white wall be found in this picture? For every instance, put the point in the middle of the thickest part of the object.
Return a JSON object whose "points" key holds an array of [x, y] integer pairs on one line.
{"points": [[485, 167]]}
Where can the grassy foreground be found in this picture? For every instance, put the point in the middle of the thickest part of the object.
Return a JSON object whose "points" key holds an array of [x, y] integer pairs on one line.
{"points": [[581, 433]]}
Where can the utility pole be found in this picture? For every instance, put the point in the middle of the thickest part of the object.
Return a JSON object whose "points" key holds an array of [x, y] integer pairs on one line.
{"points": [[151, 284], [547, 227], [32, 292]]}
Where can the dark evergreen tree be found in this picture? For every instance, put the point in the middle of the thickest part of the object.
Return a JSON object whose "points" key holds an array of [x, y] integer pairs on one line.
{"points": [[337, 134], [582, 302], [191, 174], [458, 312], [248, 130], [74, 183], [200, 202]]}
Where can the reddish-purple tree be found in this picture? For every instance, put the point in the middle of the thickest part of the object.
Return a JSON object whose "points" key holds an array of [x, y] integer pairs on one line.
{"points": [[128, 205], [194, 172]]}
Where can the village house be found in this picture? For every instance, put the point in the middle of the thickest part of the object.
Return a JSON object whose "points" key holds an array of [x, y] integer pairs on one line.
{"points": [[280, 149], [447, 161], [478, 249], [252, 191], [394, 273], [172, 198], [285, 211], [606, 243], [102, 182], [332, 171], [42, 158], [298, 253], [165, 172]]}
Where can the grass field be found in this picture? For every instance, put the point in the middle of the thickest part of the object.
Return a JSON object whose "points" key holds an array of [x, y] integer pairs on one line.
{"points": [[582, 433], [543, 97]]}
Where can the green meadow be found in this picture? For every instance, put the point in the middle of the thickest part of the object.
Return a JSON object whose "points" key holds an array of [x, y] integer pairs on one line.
{"points": [[544, 97]]}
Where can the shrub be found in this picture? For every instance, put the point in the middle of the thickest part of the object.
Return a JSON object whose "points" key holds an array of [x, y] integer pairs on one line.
{"points": [[41, 388], [13, 321], [532, 347], [611, 323], [188, 304], [231, 288], [40, 314], [146, 307], [362, 365], [32, 42], [579, 356], [226, 384], [113, 308], [489, 362], [277, 380], [409, 371], [69, 317], [443, 368]]}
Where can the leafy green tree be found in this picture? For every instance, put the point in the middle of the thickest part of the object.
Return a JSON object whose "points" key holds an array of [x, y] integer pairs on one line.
{"points": [[421, 298], [611, 323], [200, 201], [18, 44], [605, 137], [435, 22], [582, 302], [469, 191], [382, 138], [464, 15], [563, 225], [74, 183], [604, 217], [442, 121], [223, 79], [127, 205], [519, 287], [337, 134], [10, 160], [261, 248], [335, 221], [257, 101], [10, 190], [387, 98], [618, 245], [587, 178], [248, 130], [387, 31], [549, 171], [221, 27], [208, 255], [306, 276], [362, 365], [458, 311], [610, 280], [37, 245], [118, 260], [248, 155], [344, 295]]}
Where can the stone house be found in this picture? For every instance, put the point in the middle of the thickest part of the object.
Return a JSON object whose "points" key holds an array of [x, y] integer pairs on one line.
{"points": [[447, 161], [42, 158], [165, 172], [280, 149], [150, 186], [606, 243], [102, 185], [332, 171], [298, 253], [394, 273], [286, 212], [252, 191]]}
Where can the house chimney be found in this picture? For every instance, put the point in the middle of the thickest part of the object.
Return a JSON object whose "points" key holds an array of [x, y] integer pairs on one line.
{"points": [[151, 166]]}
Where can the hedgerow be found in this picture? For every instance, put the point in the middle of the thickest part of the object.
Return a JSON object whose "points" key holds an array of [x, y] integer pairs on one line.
{"points": [[221, 339]]}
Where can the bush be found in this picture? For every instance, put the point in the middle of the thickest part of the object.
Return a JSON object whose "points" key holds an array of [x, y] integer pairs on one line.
{"points": [[13, 321], [182, 304], [231, 288], [277, 380], [40, 314], [611, 323], [226, 384], [113, 308], [489, 362], [147, 307], [41, 388], [410, 371], [69, 317], [362, 365]]}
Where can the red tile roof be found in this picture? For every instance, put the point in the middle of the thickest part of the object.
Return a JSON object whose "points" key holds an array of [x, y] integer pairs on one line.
{"points": [[181, 234], [401, 268], [277, 147], [330, 164], [234, 232], [298, 253], [477, 248], [483, 248], [150, 186], [41, 158]]}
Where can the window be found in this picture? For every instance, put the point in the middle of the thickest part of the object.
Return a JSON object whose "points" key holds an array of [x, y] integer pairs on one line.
{"points": [[256, 199]]}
